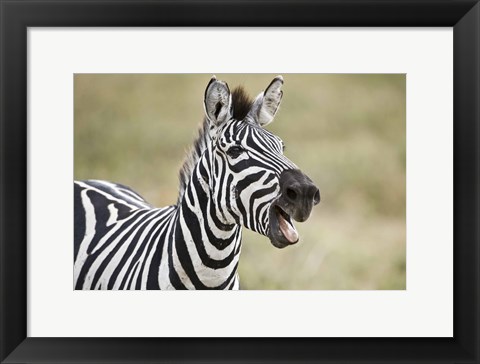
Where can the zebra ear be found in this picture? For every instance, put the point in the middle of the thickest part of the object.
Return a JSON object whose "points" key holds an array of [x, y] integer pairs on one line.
{"points": [[217, 102], [266, 105]]}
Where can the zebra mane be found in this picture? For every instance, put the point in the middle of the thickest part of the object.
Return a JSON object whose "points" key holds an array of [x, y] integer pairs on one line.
{"points": [[242, 104]]}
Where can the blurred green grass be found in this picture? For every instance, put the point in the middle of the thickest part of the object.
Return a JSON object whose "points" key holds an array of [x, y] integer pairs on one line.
{"points": [[346, 131]]}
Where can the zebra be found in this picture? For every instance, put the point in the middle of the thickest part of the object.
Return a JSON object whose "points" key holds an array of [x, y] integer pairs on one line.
{"points": [[235, 176]]}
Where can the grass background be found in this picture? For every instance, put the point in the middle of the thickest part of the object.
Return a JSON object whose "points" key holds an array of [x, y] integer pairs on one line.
{"points": [[347, 132]]}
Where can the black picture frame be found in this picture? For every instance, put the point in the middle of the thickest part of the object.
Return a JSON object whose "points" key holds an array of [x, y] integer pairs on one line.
{"points": [[17, 15]]}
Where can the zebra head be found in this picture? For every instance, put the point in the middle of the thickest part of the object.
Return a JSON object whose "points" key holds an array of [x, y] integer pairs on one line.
{"points": [[252, 182]]}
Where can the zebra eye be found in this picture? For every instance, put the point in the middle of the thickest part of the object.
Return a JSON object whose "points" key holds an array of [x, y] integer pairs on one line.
{"points": [[235, 151], [283, 147]]}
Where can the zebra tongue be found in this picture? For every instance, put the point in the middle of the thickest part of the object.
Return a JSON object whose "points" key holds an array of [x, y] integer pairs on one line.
{"points": [[287, 229]]}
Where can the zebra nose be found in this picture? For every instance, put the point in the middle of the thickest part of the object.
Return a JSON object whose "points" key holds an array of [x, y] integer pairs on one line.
{"points": [[299, 194], [302, 192]]}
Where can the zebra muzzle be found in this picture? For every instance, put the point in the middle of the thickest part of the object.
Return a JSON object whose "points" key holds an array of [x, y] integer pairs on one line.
{"points": [[295, 202]]}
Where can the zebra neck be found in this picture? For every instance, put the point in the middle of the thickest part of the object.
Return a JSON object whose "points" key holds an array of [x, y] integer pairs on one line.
{"points": [[211, 245]]}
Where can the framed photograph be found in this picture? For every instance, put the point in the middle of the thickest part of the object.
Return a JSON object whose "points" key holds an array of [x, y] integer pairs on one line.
{"points": [[317, 160]]}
